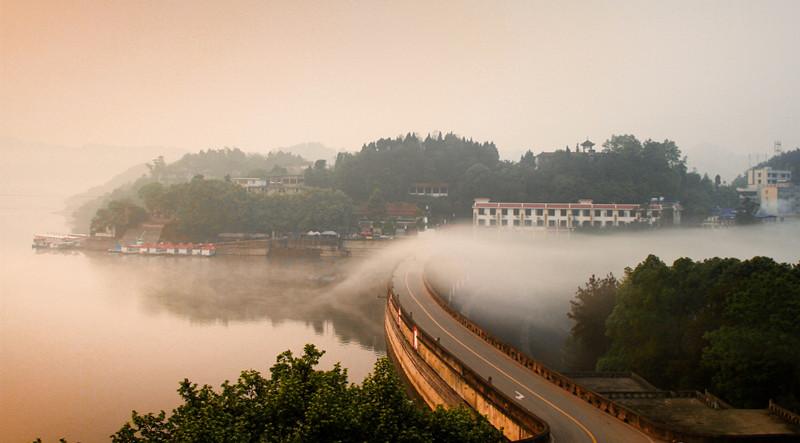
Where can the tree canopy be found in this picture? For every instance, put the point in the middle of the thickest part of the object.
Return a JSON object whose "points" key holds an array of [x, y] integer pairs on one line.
{"points": [[392, 165], [202, 209], [119, 215], [210, 163], [589, 310], [626, 170], [299, 403], [724, 324]]}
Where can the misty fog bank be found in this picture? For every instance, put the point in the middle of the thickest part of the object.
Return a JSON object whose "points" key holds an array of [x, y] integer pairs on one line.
{"points": [[112, 333], [229, 290], [519, 285]]}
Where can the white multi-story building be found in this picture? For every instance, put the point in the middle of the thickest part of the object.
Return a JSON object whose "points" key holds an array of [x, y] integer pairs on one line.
{"points": [[767, 176], [251, 184], [758, 178], [429, 189], [567, 216], [286, 184], [276, 184]]}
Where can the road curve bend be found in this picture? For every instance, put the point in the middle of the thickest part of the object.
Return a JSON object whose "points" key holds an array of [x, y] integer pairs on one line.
{"points": [[570, 418]]}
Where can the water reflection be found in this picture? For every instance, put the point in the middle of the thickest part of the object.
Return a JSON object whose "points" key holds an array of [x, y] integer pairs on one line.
{"points": [[228, 289], [87, 337]]}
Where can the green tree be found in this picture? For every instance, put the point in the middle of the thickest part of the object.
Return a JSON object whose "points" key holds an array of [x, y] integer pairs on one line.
{"points": [[301, 403], [746, 212], [278, 170], [154, 197], [205, 208], [589, 310], [319, 175], [323, 210], [376, 205], [662, 313], [157, 168], [257, 173], [119, 215], [723, 324], [755, 354]]}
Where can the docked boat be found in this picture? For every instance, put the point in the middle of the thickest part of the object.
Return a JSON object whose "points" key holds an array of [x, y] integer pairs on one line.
{"points": [[57, 241], [165, 248]]}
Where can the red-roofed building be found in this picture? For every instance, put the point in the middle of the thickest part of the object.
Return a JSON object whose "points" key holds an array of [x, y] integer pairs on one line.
{"points": [[405, 216]]}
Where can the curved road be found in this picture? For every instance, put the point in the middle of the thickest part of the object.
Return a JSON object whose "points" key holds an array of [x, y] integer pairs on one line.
{"points": [[570, 418]]}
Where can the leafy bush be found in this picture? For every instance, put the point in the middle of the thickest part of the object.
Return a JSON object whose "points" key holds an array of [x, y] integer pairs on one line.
{"points": [[299, 403]]}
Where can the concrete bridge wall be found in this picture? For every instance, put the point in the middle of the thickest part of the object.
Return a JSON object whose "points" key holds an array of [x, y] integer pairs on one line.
{"points": [[662, 431], [441, 379]]}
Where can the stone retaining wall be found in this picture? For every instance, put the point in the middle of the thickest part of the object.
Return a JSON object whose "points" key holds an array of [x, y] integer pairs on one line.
{"points": [[420, 356], [651, 427]]}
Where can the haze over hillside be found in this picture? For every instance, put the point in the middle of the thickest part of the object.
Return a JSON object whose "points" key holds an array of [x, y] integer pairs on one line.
{"points": [[536, 76], [311, 151], [41, 168]]}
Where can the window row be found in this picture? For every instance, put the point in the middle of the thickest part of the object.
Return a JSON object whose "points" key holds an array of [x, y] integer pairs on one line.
{"points": [[428, 190], [550, 223], [561, 212]]}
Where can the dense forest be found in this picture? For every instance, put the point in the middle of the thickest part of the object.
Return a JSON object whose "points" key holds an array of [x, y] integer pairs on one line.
{"points": [[201, 209], [625, 170], [724, 324], [211, 163], [298, 402]]}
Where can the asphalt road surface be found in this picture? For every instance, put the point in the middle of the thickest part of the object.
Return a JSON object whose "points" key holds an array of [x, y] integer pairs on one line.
{"points": [[570, 418]]}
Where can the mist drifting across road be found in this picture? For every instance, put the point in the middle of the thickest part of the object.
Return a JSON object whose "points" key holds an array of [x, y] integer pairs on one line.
{"points": [[520, 283]]}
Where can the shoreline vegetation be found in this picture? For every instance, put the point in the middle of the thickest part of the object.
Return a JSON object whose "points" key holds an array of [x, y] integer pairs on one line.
{"points": [[298, 402], [722, 324], [195, 191]]}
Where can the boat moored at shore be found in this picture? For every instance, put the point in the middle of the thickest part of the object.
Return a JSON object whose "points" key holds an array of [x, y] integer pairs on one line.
{"points": [[163, 248], [57, 241]]}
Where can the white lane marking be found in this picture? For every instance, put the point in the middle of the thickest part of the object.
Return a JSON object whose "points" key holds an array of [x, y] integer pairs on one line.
{"points": [[552, 405], [519, 395], [411, 293]]}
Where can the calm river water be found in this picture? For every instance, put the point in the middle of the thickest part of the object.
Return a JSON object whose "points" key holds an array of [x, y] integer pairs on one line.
{"points": [[87, 337]]}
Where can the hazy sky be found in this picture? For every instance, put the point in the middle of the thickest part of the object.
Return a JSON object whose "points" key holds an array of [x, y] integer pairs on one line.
{"points": [[722, 78]]}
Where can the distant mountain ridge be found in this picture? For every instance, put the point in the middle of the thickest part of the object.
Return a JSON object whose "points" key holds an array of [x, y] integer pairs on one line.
{"points": [[311, 151]]}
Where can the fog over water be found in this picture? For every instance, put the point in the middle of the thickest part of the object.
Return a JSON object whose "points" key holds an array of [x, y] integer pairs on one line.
{"points": [[519, 285], [87, 337]]}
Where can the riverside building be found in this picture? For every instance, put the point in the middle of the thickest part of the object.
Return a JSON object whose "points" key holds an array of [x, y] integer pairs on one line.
{"points": [[275, 184], [569, 216], [759, 178]]}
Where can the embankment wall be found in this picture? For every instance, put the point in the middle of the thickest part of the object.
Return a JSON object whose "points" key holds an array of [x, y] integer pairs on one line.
{"points": [[442, 379], [651, 427]]}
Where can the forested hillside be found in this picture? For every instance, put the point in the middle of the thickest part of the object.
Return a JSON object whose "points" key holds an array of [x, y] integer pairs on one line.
{"points": [[201, 209], [789, 160], [625, 170], [724, 324], [217, 163], [212, 163]]}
